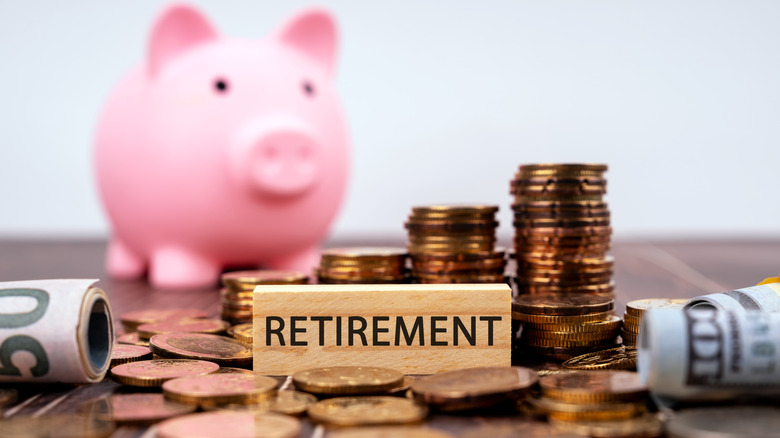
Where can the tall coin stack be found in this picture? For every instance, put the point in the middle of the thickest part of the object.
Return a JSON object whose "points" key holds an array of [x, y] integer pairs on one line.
{"points": [[237, 301], [455, 244], [363, 265], [562, 229]]}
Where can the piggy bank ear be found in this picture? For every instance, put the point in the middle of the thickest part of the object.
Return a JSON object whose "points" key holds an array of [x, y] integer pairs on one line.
{"points": [[177, 29], [312, 32]]}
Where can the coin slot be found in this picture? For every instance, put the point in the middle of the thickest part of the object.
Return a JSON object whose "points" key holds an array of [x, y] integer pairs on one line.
{"points": [[98, 334]]}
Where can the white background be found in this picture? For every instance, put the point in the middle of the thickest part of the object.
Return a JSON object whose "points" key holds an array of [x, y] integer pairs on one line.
{"points": [[445, 99]]}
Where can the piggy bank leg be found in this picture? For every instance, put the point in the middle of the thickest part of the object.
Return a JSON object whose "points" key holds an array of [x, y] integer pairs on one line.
{"points": [[303, 261], [179, 268], [123, 263]]}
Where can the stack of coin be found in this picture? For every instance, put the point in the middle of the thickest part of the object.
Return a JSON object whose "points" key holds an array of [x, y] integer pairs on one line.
{"points": [[363, 265], [455, 244], [589, 396], [561, 326], [632, 319], [562, 228], [239, 286]]}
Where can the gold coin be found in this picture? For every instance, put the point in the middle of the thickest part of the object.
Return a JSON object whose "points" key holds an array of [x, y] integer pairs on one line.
{"points": [[562, 337], [219, 389], [221, 424], [156, 371], [131, 320], [629, 338], [210, 326], [365, 411], [136, 409], [644, 426], [56, 425], [638, 307], [610, 324], [292, 402], [347, 380], [568, 343], [363, 254], [231, 370], [562, 168], [389, 432], [124, 353], [247, 280], [242, 332], [221, 350], [631, 320], [563, 304], [473, 387], [620, 358], [560, 410], [596, 386], [454, 209], [561, 319]]}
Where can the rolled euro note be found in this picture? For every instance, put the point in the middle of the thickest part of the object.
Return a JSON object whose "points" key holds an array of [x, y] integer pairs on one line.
{"points": [[764, 298], [708, 353], [54, 331]]}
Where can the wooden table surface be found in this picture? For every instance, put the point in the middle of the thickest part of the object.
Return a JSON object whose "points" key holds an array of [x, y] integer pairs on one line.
{"points": [[643, 269]]}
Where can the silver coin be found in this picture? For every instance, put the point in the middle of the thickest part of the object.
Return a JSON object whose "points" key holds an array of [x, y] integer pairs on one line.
{"points": [[733, 422]]}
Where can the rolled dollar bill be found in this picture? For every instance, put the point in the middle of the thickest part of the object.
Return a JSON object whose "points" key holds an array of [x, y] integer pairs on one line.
{"points": [[707, 353], [54, 331], [765, 298]]}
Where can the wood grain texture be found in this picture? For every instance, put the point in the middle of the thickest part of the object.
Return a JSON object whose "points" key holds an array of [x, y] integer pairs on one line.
{"points": [[348, 338]]}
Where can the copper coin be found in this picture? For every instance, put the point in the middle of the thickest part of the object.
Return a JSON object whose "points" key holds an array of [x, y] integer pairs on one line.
{"points": [[132, 338], [557, 205], [219, 389], [221, 350], [563, 304], [231, 370], [155, 372], [594, 386], [220, 424], [363, 253], [124, 353], [131, 320], [292, 402], [139, 409], [347, 380], [473, 387], [242, 332], [454, 209], [557, 168], [210, 326]]}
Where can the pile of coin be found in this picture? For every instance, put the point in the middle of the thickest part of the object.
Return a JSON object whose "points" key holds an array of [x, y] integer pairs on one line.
{"points": [[363, 265], [455, 244], [632, 319], [239, 286], [562, 228], [581, 400], [561, 326]]}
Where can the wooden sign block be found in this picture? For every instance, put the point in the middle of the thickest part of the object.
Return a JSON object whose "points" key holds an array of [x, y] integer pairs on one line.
{"points": [[414, 328]]}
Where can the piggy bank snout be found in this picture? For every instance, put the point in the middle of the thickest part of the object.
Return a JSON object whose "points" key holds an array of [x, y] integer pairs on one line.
{"points": [[277, 159]]}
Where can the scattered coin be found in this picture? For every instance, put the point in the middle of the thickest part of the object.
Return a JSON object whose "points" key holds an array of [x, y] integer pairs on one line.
{"points": [[156, 371], [132, 338], [208, 326], [231, 370], [131, 320], [219, 389], [644, 426], [221, 350], [347, 380], [220, 424], [620, 358], [292, 402], [389, 432], [472, 388], [367, 410], [559, 410], [56, 425], [594, 386], [136, 409], [124, 353], [242, 332]]}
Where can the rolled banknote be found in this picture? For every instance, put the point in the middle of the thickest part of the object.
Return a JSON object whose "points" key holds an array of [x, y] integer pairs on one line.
{"points": [[706, 353], [54, 331], [765, 298]]}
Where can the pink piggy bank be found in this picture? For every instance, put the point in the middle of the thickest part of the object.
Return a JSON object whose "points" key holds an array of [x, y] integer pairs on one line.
{"points": [[220, 152]]}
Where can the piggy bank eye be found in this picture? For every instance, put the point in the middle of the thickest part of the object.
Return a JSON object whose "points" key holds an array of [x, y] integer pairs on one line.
{"points": [[308, 88], [221, 85]]}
